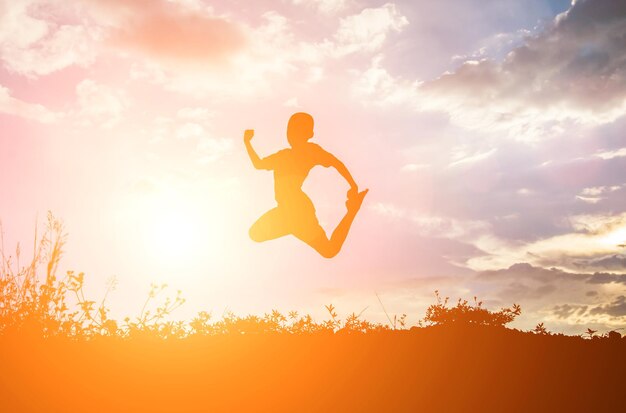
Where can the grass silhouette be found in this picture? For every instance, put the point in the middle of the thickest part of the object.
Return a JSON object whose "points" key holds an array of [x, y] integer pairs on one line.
{"points": [[60, 352]]}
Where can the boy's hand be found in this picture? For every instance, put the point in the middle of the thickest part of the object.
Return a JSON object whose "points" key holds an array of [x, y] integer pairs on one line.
{"points": [[248, 134]]}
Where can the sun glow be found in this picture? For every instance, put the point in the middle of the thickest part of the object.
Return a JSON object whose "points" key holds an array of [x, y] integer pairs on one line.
{"points": [[170, 230], [615, 237]]}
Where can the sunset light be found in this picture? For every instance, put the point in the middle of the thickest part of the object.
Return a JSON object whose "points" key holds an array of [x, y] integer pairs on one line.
{"points": [[169, 230], [438, 181]]}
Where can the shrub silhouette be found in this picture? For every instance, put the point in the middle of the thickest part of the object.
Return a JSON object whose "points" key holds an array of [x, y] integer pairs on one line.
{"points": [[590, 333], [29, 303], [541, 330], [49, 305], [465, 314], [42, 303]]}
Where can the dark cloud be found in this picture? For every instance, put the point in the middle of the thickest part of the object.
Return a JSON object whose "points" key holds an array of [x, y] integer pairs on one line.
{"points": [[525, 271], [564, 311], [435, 34], [615, 262], [606, 278], [518, 291], [573, 69], [527, 284], [528, 271], [616, 308]]}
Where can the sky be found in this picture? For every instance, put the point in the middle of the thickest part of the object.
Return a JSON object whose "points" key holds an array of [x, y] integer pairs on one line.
{"points": [[490, 134]]}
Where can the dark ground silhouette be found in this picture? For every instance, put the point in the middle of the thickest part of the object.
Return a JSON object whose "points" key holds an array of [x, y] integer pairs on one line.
{"points": [[439, 368]]}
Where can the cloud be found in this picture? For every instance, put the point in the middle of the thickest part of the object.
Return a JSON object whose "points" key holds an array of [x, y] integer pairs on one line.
{"points": [[411, 167], [462, 158], [324, 6], [17, 107], [368, 30], [618, 153], [593, 195], [170, 32], [99, 105], [432, 225], [561, 299], [526, 271], [189, 130], [275, 52], [35, 38], [566, 311], [195, 113], [572, 72], [96, 105], [211, 149], [193, 126], [270, 50], [603, 317], [541, 287], [616, 308], [376, 86], [33, 44], [519, 292], [499, 43], [291, 103], [591, 238], [606, 278]]}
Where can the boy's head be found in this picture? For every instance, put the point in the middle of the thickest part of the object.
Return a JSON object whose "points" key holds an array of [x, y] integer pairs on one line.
{"points": [[299, 128]]}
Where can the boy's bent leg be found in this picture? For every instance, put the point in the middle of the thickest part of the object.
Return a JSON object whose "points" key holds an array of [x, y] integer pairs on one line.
{"points": [[341, 232], [270, 226], [315, 236]]}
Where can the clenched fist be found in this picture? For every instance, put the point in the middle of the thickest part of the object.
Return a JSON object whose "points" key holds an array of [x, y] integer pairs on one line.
{"points": [[248, 134]]}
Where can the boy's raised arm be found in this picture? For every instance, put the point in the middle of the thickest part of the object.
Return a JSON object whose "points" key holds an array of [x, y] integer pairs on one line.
{"points": [[256, 161]]}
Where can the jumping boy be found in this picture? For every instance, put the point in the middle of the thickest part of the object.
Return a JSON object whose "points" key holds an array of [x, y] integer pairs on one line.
{"points": [[295, 213]]}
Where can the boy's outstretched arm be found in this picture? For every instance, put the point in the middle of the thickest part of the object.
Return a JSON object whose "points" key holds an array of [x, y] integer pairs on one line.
{"points": [[343, 171], [256, 161]]}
